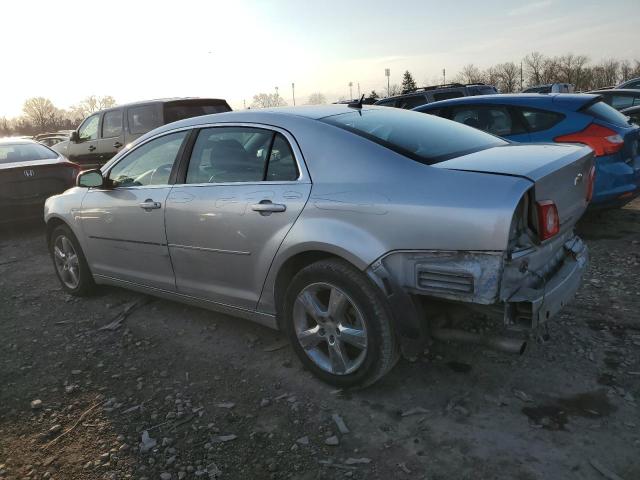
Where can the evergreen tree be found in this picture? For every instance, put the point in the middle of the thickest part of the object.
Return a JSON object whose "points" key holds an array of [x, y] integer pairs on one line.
{"points": [[408, 83]]}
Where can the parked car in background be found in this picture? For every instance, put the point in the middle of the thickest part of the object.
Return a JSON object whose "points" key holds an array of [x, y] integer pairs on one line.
{"points": [[29, 173], [101, 135], [413, 98], [633, 84], [619, 99], [550, 88], [339, 225], [633, 113], [564, 118], [51, 139]]}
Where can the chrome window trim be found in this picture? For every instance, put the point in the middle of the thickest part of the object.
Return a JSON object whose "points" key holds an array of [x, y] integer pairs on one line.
{"points": [[303, 173]]}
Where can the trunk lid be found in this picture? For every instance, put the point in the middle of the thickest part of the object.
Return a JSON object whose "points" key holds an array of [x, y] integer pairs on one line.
{"points": [[560, 172], [35, 181]]}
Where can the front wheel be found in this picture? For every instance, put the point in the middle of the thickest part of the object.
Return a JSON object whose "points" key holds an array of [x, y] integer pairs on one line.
{"points": [[69, 262], [339, 324]]}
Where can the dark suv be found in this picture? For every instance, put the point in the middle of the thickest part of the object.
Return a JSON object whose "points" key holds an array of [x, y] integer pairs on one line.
{"points": [[102, 134], [420, 96]]}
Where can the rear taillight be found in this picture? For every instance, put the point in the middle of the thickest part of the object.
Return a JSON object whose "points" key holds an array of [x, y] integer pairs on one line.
{"points": [[590, 185], [602, 140], [548, 219]]}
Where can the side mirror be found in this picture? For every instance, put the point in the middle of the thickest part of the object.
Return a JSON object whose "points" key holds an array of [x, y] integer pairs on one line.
{"points": [[74, 136], [90, 179]]}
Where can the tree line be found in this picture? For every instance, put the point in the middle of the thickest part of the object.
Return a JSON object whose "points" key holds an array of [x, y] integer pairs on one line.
{"points": [[40, 115]]}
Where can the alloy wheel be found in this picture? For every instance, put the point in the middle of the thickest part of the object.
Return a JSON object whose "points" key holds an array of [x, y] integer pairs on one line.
{"points": [[66, 261]]}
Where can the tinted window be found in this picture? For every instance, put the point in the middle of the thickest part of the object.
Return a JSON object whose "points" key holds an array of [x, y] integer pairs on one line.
{"points": [[387, 103], [24, 152], [89, 129], [411, 102], [493, 119], [604, 112], [143, 119], [180, 111], [424, 138], [446, 95], [149, 164], [112, 124], [538, 120], [282, 164], [633, 85], [229, 154], [482, 90]]}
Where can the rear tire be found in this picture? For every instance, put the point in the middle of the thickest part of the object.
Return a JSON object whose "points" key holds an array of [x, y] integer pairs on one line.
{"points": [[70, 263], [339, 324]]}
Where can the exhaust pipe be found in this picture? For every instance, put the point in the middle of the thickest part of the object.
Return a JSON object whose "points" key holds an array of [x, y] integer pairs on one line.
{"points": [[504, 344]]}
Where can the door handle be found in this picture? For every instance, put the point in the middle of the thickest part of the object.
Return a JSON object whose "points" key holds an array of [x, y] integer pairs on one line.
{"points": [[92, 148], [266, 207], [149, 204], [117, 145]]}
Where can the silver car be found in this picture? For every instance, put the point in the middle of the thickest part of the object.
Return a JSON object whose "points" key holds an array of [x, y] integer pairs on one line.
{"points": [[357, 230]]}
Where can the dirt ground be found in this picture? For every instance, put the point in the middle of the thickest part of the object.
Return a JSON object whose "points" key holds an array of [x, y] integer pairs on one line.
{"points": [[220, 397]]}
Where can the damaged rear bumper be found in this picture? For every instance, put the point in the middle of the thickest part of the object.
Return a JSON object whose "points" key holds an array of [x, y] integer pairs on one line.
{"points": [[531, 306]]}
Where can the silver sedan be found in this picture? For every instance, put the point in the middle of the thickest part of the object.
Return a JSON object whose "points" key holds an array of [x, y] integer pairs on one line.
{"points": [[357, 230]]}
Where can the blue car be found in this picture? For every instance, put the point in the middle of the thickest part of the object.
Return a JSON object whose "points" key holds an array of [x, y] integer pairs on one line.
{"points": [[571, 118]]}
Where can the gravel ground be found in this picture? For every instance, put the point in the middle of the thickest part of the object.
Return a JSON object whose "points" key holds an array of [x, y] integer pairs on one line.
{"points": [[171, 392]]}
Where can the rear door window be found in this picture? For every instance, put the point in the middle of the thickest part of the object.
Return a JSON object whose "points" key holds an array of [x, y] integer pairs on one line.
{"points": [[143, 119], [412, 102], [620, 101], [447, 95], [179, 111], [493, 119], [112, 124], [387, 103], [539, 120]]}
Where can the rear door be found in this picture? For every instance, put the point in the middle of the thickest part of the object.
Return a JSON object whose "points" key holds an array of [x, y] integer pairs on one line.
{"points": [[85, 150], [124, 224], [242, 190], [111, 134]]}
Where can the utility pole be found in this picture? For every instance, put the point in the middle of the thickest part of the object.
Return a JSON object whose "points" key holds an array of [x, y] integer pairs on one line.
{"points": [[293, 92], [444, 76], [244, 103], [277, 100], [521, 79], [358, 89], [350, 90], [387, 73]]}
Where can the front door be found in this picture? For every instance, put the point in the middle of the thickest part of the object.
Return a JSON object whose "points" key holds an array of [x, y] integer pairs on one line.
{"points": [[242, 192], [85, 150], [124, 224], [111, 134]]}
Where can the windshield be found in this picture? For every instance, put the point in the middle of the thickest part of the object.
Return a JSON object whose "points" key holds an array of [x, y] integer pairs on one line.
{"points": [[607, 113], [25, 152], [424, 138]]}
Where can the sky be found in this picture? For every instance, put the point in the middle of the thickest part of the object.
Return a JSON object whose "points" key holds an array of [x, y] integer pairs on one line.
{"points": [[138, 50]]}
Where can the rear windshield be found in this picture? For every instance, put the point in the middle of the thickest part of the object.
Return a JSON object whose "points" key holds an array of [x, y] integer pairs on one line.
{"points": [[424, 138], [607, 113], [25, 152], [179, 111]]}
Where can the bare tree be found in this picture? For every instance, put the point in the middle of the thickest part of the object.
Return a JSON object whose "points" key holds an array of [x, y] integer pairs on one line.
{"points": [[570, 69], [316, 99], [92, 104], [470, 74], [266, 100], [394, 89], [534, 64], [491, 76], [41, 112], [509, 77]]}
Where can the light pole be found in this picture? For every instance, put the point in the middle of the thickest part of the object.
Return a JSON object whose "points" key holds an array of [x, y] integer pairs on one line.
{"points": [[358, 89], [293, 93], [277, 98], [350, 90], [387, 73], [444, 77]]}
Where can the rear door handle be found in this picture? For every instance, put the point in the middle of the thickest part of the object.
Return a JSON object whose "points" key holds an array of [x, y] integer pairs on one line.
{"points": [[92, 148], [117, 145], [149, 204], [266, 207]]}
